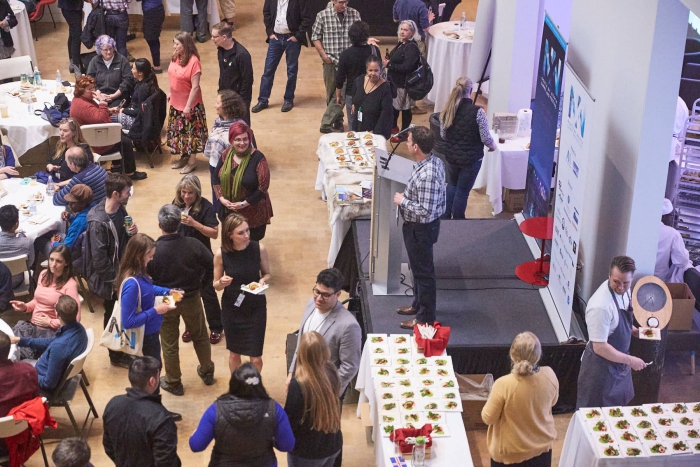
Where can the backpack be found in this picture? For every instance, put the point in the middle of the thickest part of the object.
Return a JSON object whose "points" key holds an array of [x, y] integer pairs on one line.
{"points": [[57, 112], [420, 81]]}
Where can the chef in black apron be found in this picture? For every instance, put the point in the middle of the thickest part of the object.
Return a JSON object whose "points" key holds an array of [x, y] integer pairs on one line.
{"points": [[605, 378]]}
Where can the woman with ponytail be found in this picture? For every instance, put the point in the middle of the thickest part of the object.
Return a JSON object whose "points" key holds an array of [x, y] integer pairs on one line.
{"points": [[519, 409], [313, 406], [464, 131]]}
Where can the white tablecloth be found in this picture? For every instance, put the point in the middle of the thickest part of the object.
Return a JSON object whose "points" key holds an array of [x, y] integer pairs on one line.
{"points": [[330, 174], [449, 60], [24, 129], [14, 351], [579, 451], [18, 194], [506, 167], [172, 8], [449, 451], [22, 33]]}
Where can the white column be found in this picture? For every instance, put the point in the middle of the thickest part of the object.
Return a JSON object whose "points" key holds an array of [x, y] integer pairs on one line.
{"points": [[629, 55]]}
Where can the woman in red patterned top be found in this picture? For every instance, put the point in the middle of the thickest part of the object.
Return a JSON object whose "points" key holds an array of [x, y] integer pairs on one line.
{"points": [[241, 181]]}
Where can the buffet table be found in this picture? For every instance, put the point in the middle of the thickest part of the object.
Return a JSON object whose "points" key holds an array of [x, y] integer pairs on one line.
{"points": [[20, 194], [24, 129], [506, 167], [449, 59], [22, 33], [14, 351], [580, 448], [451, 450], [330, 173]]}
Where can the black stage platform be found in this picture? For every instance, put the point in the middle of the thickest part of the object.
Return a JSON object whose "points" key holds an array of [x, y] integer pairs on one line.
{"points": [[479, 297]]}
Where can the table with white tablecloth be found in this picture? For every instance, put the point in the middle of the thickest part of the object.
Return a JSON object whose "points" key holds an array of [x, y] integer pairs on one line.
{"points": [[172, 7], [18, 194], [448, 451], [14, 351], [22, 33], [24, 129], [330, 174], [448, 58], [579, 450], [506, 167]]}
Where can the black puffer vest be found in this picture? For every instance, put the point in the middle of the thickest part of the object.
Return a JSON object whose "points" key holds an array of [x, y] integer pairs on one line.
{"points": [[462, 143], [244, 433]]}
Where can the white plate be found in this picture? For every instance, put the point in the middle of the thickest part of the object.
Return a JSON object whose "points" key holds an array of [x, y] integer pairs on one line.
{"points": [[392, 417], [688, 421], [691, 434], [444, 383], [598, 437], [639, 424], [388, 406], [618, 424], [643, 434], [589, 413], [382, 372], [401, 361], [161, 298], [380, 360], [608, 413], [677, 410], [649, 408], [403, 350], [625, 450], [450, 405], [694, 407], [402, 371], [387, 395], [415, 418], [695, 445], [444, 372], [409, 406], [622, 440], [403, 383], [383, 427], [443, 361], [628, 412], [438, 417], [430, 393], [445, 430], [408, 394], [402, 340], [381, 384], [603, 450], [377, 338], [657, 419], [604, 428], [429, 405], [379, 349], [257, 288], [421, 361], [675, 446], [428, 382], [650, 444], [424, 372]]}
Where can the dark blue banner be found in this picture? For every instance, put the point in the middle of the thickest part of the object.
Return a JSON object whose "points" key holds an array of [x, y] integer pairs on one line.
{"points": [[545, 119]]}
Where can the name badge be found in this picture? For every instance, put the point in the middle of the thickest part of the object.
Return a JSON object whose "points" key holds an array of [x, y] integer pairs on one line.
{"points": [[359, 115], [239, 300]]}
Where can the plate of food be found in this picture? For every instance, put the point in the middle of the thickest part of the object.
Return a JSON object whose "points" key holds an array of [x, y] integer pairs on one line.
{"points": [[670, 434], [429, 405], [635, 412], [390, 417], [696, 447], [451, 405], [255, 288], [402, 371], [427, 393], [402, 350], [401, 361], [387, 429], [352, 135], [379, 349], [407, 394], [627, 437], [664, 421], [339, 151], [444, 372], [599, 426], [384, 383], [680, 447], [165, 300], [412, 417], [656, 448], [650, 435], [380, 361], [632, 450], [605, 438], [381, 371], [400, 339], [389, 406], [404, 383], [341, 158], [425, 382], [408, 405], [442, 361], [450, 394], [695, 407], [356, 151], [592, 413], [447, 383], [334, 144], [387, 395], [377, 338], [421, 361], [439, 430], [424, 371], [621, 424], [367, 136], [679, 409], [351, 143], [613, 412], [655, 409], [643, 424], [650, 334], [692, 433], [433, 417], [686, 421], [609, 450], [369, 142]]}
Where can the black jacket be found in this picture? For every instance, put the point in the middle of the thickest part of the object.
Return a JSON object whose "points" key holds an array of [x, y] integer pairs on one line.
{"points": [[102, 250], [94, 27], [462, 143], [5, 11], [181, 263], [236, 71], [139, 431], [116, 77], [149, 112], [403, 60], [299, 19]]}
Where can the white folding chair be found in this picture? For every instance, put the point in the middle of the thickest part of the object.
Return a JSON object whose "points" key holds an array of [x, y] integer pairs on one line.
{"points": [[18, 265], [72, 378], [104, 134], [15, 66], [10, 427]]}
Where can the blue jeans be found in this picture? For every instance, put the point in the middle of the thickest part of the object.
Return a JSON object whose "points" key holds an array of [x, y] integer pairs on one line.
{"points": [[117, 25], [460, 181], [275, 49]]}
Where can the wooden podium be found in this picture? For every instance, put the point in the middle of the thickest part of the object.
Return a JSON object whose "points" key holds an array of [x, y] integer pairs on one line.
{"points": [[387, 240]]}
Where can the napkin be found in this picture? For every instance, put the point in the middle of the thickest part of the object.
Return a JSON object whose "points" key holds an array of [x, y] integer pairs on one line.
{"points": [[435, 346], [400, 435], [37, 219]]}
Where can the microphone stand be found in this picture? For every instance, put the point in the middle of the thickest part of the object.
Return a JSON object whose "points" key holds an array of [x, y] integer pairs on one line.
{"points": [[385, 162]]}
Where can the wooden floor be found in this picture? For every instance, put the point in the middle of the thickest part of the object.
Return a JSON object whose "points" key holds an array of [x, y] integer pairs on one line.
{"points": [[297, 242]]}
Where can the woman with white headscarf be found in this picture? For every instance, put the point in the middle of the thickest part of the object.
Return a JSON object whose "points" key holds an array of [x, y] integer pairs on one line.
{"points": [[464, 131]]}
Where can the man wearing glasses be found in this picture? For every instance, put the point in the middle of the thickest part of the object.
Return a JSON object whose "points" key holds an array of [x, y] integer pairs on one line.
{"points": [[327, 316]]}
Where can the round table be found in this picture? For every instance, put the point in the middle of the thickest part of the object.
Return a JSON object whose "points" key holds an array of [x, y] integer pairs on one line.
{"points": [[22, 33], [24, 129], [449, 59], [14, 351], [18, 194]]}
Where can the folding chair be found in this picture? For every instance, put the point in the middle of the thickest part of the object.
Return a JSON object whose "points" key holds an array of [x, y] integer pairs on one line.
{"points": [[39, 13], [9, 427], [18, 265], [15, 66], [104, 134]]}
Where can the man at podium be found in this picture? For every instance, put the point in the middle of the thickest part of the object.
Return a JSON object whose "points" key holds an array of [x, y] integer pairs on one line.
{"points": [[421, 205]]}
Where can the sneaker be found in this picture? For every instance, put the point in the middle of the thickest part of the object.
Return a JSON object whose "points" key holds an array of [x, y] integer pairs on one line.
{"points": [[186, 337], [176, 389], [138, 176], [208, 378], [258, 107], [214, 338], [287, 106]]}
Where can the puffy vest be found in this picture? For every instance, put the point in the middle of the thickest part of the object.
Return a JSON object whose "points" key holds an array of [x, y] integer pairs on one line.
{"points": [[244, 433], [462, 145]]}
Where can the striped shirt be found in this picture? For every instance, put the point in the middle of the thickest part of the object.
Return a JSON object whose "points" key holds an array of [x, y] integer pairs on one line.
{"points": [[424, 196], [93, 176], [332, 31]]}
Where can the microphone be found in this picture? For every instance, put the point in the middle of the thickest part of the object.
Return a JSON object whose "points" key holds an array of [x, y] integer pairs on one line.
{"points": [[404, 131], [385, 162]]}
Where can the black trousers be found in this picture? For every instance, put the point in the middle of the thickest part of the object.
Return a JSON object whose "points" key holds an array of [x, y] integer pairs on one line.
{"points": [[152, 27], [543, 460], [212, 307], [419, 240], [74, 18]]}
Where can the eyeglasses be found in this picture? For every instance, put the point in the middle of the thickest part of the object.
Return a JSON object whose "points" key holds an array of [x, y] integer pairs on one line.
{"points": [[214, 37], [325, 296]]}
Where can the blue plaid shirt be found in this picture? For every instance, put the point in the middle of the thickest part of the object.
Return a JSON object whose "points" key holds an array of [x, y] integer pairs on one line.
{"points": [[424, 196]]}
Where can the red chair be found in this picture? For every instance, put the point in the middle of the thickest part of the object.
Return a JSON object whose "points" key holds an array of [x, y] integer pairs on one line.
{"points": [[39, 13]]}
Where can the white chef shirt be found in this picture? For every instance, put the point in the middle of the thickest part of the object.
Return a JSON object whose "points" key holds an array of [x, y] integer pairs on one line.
{"points": [[678, 126], [602, 317], [672, 258], [315, 321], [281, 26]]}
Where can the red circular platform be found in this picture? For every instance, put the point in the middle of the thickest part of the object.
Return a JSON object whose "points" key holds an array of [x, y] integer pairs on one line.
{"points": [[538, 227], [534, 273]]}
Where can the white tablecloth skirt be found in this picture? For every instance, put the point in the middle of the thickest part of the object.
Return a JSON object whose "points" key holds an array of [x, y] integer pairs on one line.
{"points": [[22, 33], [19, 194]]}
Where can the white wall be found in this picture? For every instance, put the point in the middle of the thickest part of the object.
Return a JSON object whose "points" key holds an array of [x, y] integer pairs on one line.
{"points": [[629, 55], [560, 12]]}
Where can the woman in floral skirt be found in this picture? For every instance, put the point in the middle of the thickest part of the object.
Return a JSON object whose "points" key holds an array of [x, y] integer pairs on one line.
{"points": [[187, 121]]}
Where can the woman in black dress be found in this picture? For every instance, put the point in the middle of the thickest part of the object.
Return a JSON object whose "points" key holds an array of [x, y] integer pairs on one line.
{"points": [[372, 100], [241, 261]]}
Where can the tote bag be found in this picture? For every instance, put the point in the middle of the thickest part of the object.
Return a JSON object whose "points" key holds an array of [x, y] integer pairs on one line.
{"points": [[115, 337]]}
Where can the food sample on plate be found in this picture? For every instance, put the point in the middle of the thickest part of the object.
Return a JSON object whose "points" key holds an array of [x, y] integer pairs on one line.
{"points": [[399, 338], [631, 451], [389, 406], [651, 333], [696, 408], [403, 350], [438, 429], [377, 338], [606, 439], [367, 136], [426, 392], [409, 425], [387, 395], [334, 144], [622, 424], [427, 382], [422, 361], [413, 417], [685, 421], [387, 384], [693, 434], [351, 143], [696, 447], [388, 418], [442, 361], [430, 406], [450, 405], [408, 395], [637, 412], [351, 135], [592, 413], [642, 424], [387, 430], [613, 412], [664, 421], [670, 434], [679, 408], [401, 361], [450, 394], [656, 409], [402, 371], [381, 371], [405, 383], [379, 349], [343, 163], [656, 449], [444, 372], [355, 151], [650, 435], [600, 426], [380, 361], [408, 405], [448, 383], [357, 158], [340, 151], [611, 451], [424, 371], [433, 416], [680, 446], [369, 142], [341, 158], [628, 437]]}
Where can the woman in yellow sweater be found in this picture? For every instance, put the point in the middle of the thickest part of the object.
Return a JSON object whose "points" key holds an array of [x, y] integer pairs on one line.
{"points": [[519, 409]]}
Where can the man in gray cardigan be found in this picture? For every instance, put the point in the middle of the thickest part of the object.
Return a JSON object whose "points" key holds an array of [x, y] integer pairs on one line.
{"points": [[327, 316]]}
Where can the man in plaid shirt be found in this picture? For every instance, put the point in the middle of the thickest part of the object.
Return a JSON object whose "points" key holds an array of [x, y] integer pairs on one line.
{"points": [[421, 205], [330, 37]]}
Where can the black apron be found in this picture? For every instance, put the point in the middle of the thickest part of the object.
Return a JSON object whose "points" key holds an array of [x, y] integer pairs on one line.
{"points": [[602, 383]]}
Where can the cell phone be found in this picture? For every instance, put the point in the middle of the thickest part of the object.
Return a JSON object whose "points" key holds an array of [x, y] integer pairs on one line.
{"points": [[121, 104]]}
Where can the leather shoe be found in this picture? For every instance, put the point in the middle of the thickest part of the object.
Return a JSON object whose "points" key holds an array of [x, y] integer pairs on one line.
{"points": [[186, 337], [174, 389], [407, 310], [408, 324], [258, 107], [180, 163], [338, 126], [215, 338], [176, 416], [208, 378], [138, 176], [287, 106], [326, 130]]}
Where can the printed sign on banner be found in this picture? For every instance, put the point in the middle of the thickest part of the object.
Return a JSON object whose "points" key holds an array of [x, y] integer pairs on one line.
{"points": [[545, 118], [568, 205]]}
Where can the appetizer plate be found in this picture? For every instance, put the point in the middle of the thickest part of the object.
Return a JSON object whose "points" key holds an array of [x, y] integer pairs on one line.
{"points": [[429, 393], [426, 382], [427, 404], [450, 394], [381, 360], [677, 409], [401, 361], [439, 430], [416, 418], [377, 338], [352, 143], [691, 434], [410, 405], [627, 437], [613, 413], [334, 144], [385, 407], [695, 445], [381, 371], [632, 450], [448, 383], [379, 349], [592, 413], [167, 299], [608, 450], [408, 394], [352, 135], [444, 372], [422, 361], [402, 371], [387, 395], [403, 350], [599, 426], [688, 421], [680, 446], [621, 424], [635, 412], [604, 438], [670, 434], [694, 407], [642, 424], [664, 421], [381, 384], [388, 428], [433, 417], [403, 383], [654, 409], [442, 361], [657, 448], [424, 372], [392, 417], [401, 340]]}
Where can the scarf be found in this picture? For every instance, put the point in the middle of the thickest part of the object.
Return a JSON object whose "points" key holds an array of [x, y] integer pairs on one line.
{"points": [[231, 188]]}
